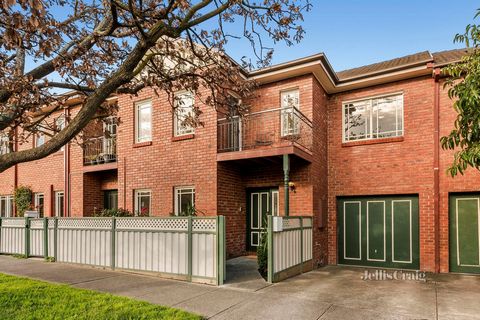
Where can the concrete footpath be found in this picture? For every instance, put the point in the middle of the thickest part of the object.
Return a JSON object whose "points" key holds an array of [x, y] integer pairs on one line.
{"points": [[326, 293]]}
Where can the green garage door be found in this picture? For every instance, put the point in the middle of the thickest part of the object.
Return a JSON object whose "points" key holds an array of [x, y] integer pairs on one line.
{"points": [[378, 232], [464, 233]]}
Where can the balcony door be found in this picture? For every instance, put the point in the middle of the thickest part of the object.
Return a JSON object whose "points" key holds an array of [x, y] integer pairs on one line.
{"points": [[290, 120], [260, 204]]}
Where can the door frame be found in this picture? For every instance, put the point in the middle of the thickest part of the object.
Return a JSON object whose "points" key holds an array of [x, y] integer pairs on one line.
{"points": [[249, 191]]}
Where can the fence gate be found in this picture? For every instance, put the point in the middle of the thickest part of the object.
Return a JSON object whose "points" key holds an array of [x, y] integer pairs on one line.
{"points": [[290, 247], [187, 248]]}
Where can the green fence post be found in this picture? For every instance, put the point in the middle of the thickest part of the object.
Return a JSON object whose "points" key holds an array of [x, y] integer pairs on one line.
{"points": [[112, 248], [220, 250], [301, 244], [224, 249], [190, 249], [271, 271], [1, 220], [27, 237], [45, 237], [55, 238]]}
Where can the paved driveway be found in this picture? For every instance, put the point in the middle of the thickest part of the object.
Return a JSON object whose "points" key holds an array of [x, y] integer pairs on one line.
{"points": [[327, 293]]}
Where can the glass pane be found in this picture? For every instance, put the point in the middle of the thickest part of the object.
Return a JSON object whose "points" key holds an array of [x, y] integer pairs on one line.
{"points": [[358, 117], [144, 123], [290, 99], [185, 103], [265, 209], [275, 203], [10, 204], [254, 211], [3, 207], [186, 203], [144, 205], [385, 112]]}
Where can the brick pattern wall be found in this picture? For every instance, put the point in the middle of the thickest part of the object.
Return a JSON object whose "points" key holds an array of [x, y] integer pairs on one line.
{"points": [[165, 163], [469, 182], [404, 167]]}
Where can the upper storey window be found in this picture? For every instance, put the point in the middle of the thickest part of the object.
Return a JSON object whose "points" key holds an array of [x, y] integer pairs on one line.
{"points": [[143, 121], [5, 145], [290, 119], [184, 103], [374, 118]]}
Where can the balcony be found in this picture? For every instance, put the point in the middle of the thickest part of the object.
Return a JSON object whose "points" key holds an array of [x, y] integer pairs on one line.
{"points": [[266, 133], [100, 151]]}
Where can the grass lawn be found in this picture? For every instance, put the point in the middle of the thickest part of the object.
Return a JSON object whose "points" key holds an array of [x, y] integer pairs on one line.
{"points": [[22, 298]]}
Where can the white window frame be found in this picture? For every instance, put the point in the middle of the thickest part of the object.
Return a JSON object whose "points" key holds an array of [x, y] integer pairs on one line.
{"points": [[37, 137], [369, 100], [36, 202], [289, 114], [178, 129], [8, 206], [178, 191], [140, 106], [58, 195], [138, 193], [5, 146], [60, 123]]}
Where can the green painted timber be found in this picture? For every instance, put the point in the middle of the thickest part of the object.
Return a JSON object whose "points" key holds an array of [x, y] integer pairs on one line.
{"points": [[27, 237], [379, 231], [190, 249], [45, 238], [112, 243], [464, 233], [270, 264], [286, 181]]}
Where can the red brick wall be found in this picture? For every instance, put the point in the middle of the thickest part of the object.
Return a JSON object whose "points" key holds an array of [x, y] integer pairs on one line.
{"points": [[165, 163], [310, 180], [469, 182], [404, 167]]}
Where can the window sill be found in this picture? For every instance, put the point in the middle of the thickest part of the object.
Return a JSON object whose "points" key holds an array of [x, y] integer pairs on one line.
{"points": [[372, 141], [184, 137], [142, 144]]}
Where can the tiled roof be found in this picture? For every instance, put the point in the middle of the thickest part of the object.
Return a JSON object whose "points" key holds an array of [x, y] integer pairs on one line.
{"points": [[439, 58], [384, 66], [449, 56]]}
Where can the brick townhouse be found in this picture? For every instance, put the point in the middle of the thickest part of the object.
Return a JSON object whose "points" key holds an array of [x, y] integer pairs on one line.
{"points": [[358, 150]]}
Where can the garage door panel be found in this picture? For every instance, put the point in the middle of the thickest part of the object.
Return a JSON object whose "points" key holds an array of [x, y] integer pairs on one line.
{"points": [[352, 230], [379, 231], [467, 232], [402, 231], [464, 233], [376, 230]]}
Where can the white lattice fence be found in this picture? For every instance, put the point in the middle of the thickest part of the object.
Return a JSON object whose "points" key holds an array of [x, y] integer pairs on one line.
{"points": [[189, 248], [84, 241]]}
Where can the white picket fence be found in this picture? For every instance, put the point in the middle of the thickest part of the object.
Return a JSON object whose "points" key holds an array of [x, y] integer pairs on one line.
{"points": [[290, 246], [188, 248]]}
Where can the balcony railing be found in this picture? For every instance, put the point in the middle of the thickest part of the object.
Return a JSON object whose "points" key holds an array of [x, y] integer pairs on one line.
{"points": [[269, 128], [100, 150]]}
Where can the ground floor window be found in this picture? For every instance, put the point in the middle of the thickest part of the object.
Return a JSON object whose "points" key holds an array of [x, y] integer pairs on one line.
{"points": [[110, 199], [6, 206], [143, 202], [275, 203], [184, 201], [59, 204], [39, 203]]}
